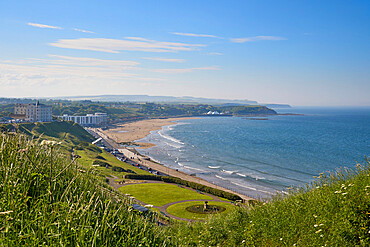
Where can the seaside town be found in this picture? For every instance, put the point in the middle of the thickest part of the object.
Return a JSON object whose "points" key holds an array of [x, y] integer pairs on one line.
{"points": [[184, 123]]}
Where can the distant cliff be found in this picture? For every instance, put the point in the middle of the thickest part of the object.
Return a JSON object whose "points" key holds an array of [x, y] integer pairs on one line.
{"points": [[247, 110]]}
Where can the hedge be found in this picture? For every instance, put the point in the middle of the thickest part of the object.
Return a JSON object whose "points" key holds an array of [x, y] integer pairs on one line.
{"points": [[120, 169], [196, 186], [101, 163]]}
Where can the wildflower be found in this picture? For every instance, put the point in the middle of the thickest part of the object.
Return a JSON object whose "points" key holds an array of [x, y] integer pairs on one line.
{"points": [[50, 143], [7, 212], [344, 193], [338, 191], [321, 224], [314, 216], [321, 235], [315, 225], [317, 187], [318, 231], [243, 241], [281, 239]]}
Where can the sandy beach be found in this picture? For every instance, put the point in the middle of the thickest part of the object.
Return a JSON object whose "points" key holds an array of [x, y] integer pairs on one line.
{"points": [[128, 133]]}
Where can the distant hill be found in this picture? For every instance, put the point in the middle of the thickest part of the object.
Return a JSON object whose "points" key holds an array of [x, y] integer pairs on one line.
{"points": [[156, 99], [277, 106]]}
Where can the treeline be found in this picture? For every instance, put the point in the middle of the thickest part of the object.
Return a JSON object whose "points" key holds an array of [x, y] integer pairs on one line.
{"points": [[118, 111]]}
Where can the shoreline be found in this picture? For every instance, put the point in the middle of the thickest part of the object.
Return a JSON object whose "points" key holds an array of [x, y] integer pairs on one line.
{"points": [[128, 133], [110, 136]]}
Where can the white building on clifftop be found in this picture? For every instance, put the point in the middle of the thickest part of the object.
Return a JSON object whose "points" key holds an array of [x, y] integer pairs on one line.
{"points": [[96, 119]]}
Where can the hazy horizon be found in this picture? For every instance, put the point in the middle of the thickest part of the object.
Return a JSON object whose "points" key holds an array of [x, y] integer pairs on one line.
{"points": [[301, 53]]}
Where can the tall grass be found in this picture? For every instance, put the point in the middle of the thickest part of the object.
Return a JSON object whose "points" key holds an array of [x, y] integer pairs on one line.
{"points": [[332, 211], [45, 199]]}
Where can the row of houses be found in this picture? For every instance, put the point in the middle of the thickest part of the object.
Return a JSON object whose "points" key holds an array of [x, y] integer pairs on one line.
{"points": [[43, 113]]}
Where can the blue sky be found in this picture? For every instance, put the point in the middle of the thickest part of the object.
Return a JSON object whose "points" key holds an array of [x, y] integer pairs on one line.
{"points": [[295, 52]]}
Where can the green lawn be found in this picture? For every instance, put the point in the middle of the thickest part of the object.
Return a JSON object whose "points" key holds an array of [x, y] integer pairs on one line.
{"points": [[87, 158], [179, 209], [159, 194]]}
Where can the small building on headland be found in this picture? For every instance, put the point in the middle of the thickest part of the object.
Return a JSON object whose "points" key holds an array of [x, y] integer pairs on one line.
{"points": [[97, 119], [33, 112]]}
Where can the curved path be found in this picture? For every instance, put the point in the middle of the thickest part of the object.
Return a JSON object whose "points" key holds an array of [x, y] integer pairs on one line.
{"points": [[163, 209]]}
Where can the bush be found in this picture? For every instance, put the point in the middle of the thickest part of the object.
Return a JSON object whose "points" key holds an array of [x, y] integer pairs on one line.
{"points": [[192, 185], [100, 157], [101, 163], [118, 169], [143, 177]]}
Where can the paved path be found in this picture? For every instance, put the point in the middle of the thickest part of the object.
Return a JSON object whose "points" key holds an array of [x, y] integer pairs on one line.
{"points": [[163, 209]]}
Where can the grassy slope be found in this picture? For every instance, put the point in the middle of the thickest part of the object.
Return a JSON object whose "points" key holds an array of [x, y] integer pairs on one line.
{"points": [[159, 194], [44, 201], [333, 211], [88, 156], [74, 136]]}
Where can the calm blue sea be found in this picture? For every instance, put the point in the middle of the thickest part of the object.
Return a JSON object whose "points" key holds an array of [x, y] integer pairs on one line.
{"points": [[262, 157]]}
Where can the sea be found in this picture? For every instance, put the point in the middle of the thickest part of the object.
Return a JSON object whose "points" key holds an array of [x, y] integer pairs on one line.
{"points": [[264, 156]]}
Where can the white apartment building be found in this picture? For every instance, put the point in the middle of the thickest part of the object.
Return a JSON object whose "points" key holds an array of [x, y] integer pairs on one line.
{"points": [[88, 120], [34, 112]]}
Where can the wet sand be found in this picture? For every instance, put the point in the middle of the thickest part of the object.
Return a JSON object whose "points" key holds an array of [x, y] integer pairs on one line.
{"points": [[128, 133]]}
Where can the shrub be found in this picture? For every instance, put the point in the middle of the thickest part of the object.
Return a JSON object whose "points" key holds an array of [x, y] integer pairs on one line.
{"points": [[101, 163], [100, 157], [118, 169]]}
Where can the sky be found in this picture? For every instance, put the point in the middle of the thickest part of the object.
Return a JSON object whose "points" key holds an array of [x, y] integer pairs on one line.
{"points": [[303, 53]]}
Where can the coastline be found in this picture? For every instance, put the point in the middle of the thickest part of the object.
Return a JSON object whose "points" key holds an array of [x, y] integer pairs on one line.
{"points": [[137, 130], [127, 134]]}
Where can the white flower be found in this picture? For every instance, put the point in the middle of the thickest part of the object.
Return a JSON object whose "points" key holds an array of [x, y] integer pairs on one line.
{"points": [[50, 143]]}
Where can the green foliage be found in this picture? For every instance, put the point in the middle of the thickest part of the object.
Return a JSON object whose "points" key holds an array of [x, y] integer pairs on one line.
{"points": [[101, 163], [44, 200], [333, 211], [120, 169], [247, 110], [196, 186]]}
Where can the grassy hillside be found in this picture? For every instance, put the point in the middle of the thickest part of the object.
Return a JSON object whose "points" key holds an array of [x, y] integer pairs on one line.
{"points": [[62, 130], [333, 211], [46, 200]]}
